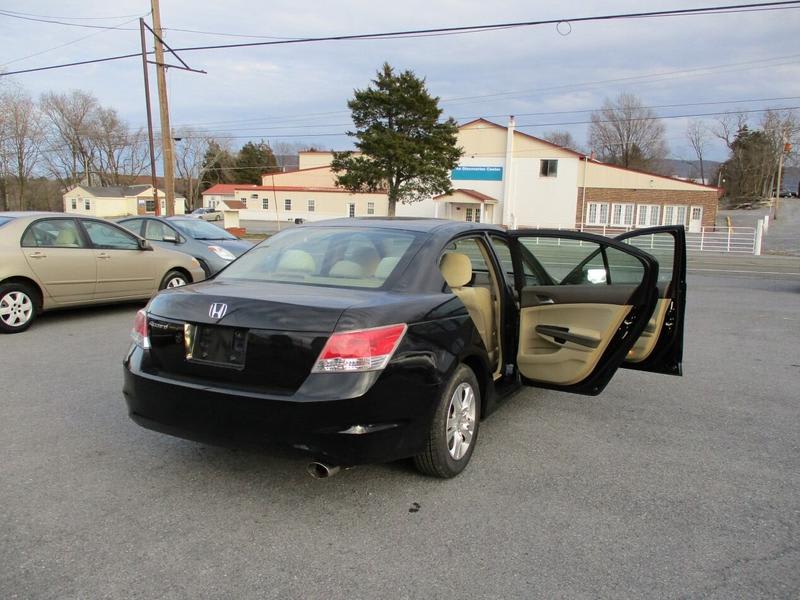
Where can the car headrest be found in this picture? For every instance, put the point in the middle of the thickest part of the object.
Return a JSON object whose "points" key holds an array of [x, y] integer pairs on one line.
{"points": [[456, 269], [346, 268], [386, 266], [66, 237], [296, 261]]}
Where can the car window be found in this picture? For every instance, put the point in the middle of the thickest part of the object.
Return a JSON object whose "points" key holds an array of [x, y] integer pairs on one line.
{"points": [[201, 230], [4, 220], [53, 233], [104, 235], [660, 246], [480, 269], [332, 256], [134, 225], [157, 231], [580, 262]]}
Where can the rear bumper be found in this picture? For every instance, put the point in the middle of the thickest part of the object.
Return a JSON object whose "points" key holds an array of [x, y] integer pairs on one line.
{"points": [[395, 409]]}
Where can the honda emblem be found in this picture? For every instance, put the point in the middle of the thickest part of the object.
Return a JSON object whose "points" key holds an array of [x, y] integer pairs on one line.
{"points": [[217, 310]]}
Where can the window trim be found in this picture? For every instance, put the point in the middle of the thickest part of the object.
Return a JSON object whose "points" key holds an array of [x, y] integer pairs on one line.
{"points": [[622, 222], [597, 220]]}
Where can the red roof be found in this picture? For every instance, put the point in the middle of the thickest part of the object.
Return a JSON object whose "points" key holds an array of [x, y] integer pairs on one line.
{"points": [[472, 193], [222, 188]]}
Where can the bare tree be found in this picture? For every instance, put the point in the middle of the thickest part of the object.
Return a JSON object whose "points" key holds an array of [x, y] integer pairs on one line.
{"points": [[563, 139], [23, 139], [728, 126], [119, 155], [190, 152], [627, 133], [70, 121], [697, 134], [286, 153]]}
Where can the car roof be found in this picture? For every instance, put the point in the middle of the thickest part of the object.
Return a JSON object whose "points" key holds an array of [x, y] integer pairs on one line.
{"points": [[418, 224]]}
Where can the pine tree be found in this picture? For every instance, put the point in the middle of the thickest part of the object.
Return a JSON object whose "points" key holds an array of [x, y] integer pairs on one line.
{"points": [[405, 148]]}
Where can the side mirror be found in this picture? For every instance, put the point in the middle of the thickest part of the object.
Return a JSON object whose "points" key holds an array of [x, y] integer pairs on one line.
{"points": [[144, 245], [594, 275], [170, 238]]}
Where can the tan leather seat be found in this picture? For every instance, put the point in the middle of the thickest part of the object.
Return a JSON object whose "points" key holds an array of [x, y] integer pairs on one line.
{"points": [[67, 238], [456, 269], [296, 263]]}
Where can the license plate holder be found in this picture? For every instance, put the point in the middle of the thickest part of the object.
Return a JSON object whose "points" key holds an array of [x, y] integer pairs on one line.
{"points": [[214, 345]]}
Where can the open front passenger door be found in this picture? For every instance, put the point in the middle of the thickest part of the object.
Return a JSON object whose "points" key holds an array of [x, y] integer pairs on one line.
{"points": [[659, 348], [584, 300]]}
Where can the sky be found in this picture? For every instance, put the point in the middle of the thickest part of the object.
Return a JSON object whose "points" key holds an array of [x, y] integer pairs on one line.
{"points": [[299, 92]]}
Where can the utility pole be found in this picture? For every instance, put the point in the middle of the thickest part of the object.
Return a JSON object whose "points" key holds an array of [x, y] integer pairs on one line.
{"points": [[163, 107], [154, 181], [785, 147]]}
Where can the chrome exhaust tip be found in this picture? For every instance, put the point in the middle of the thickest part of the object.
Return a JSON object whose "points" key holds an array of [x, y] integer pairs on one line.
{"points": [[321, 470]]}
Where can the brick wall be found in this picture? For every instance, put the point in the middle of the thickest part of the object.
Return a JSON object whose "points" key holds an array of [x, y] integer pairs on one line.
{"points": [[707, 199]]}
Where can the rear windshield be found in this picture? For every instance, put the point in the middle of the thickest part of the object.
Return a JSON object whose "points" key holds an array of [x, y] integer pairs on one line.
{"points": [[334, 256]]}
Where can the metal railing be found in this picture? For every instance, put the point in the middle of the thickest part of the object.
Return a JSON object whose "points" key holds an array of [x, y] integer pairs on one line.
{"points": [[742, 240]]}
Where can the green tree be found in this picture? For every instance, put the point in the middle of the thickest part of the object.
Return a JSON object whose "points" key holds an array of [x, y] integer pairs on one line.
{"points": [[218, 165], [404, 147], [748, 171], [253, 160]]}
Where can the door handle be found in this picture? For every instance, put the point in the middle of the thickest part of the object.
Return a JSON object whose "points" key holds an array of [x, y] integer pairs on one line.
{"points": [[544, 299], [562, 335], [104, 256], [37, 254]]}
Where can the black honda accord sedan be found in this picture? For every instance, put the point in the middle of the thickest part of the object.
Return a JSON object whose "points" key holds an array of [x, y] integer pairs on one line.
{"points": [[370, 340]]}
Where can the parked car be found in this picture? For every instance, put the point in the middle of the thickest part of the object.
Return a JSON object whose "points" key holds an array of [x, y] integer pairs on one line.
{"points": [[212, 246], [51, 260], [370, 340], [207, 214]]}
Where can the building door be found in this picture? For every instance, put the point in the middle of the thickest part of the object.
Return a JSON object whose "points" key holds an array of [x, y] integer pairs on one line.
{"points": [[351, 209], [695, 219]]}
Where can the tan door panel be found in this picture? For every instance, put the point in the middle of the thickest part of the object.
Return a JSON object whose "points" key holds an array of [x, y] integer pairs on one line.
{"points": [[68, 274], [125, 274], [545, 356], [647, 341]]}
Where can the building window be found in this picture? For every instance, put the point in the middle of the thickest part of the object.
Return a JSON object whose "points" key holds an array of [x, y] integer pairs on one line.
{"points": [[253, 196], [370, 208], [477, 215], [311, 206], [150, 206], [597, 213], [675, 215], [74, 204], [351, 210], [548, 168], [87, 204], [265, 203], [468, 215], [287, 204], [648, 215], [622, 215]]}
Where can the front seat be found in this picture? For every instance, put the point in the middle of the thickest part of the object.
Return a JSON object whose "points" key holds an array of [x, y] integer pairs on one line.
{"points": [[456, 269], [67, 238]]}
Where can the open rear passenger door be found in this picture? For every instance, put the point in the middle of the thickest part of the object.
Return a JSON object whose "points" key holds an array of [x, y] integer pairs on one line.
{"points": [[659, 348], [584, 300]]}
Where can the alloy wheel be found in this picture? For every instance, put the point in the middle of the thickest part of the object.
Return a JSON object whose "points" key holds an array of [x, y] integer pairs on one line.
{"points": [[176, 282], [460, 421], [16, 308]]}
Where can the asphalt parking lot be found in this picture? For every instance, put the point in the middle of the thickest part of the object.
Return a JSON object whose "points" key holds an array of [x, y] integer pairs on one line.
{"points": [[659, 488]]}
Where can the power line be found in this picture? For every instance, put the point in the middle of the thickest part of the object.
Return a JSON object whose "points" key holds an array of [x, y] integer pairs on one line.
{"points": [[114, 18], [5, 13], [708, 10]]}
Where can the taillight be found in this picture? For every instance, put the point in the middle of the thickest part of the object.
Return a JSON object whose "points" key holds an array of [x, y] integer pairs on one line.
{"points": [[139, 333], [362, 350]]}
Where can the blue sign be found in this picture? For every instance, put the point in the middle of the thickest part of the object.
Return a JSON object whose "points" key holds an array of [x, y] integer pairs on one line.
{"points": [[477, 173]]}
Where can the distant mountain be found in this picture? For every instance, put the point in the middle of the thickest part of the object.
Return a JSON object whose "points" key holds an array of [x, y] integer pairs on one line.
{"points": [[688, 169]]}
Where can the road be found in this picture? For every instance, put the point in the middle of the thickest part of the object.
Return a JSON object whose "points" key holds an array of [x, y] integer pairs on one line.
{"points": [[659, 488]]}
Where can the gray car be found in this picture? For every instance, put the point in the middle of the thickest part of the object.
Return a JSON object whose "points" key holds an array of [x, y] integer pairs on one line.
{"points": [[212, 246]]}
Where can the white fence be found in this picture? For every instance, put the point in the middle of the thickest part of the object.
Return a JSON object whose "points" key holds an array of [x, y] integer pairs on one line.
{"points": [[741, 240]]}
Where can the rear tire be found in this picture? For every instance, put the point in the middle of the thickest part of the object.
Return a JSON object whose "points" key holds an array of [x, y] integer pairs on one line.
{"points": [[19, 306], [454, 427], [173, 279]]}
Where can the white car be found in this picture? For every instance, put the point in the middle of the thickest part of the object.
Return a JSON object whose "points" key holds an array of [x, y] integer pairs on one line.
{"points": [[207, 214]]}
